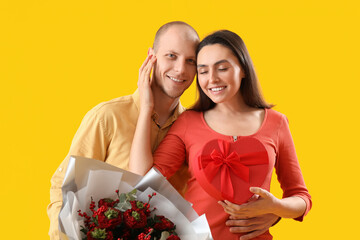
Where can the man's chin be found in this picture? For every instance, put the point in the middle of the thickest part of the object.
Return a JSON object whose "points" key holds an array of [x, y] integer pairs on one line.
{"points": [[172, 94]]}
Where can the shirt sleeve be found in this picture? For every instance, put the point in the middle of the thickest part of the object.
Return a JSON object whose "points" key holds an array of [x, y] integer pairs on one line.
{"points": [[171, 153], [91, 141], [288, 169]]}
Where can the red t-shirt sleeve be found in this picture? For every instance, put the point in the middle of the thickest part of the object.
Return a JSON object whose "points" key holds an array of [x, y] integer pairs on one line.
{"points": [[288, 169], [171, 153]]}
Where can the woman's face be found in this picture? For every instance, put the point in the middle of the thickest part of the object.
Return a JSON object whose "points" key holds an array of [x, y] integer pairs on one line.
{"points": [[219, 73]]}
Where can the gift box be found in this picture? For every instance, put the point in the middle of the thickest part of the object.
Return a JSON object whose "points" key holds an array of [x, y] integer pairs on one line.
{"points": [[226, 170], [90, 179]]}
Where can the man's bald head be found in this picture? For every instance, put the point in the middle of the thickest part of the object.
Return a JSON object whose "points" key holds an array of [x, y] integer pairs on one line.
{"points": [[182, 26]]}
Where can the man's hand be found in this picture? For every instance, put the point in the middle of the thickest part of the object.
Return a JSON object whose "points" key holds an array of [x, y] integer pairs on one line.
{"points": [[144, 84], [252, 226]]}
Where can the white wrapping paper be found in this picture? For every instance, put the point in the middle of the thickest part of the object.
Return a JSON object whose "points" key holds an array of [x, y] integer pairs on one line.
{"points": [[88, 178]]}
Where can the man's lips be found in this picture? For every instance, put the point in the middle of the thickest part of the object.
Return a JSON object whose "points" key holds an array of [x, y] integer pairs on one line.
{"points": [[175, 79]]}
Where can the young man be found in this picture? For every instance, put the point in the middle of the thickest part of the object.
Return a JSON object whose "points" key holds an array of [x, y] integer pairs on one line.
{"points": [[107, 131]]}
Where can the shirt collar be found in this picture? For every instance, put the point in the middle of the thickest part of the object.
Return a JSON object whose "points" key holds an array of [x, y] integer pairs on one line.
{"points": [[136, 98]]}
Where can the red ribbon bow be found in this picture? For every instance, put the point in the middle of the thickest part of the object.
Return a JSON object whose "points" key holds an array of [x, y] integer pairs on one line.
{"points": [[229, 162]]}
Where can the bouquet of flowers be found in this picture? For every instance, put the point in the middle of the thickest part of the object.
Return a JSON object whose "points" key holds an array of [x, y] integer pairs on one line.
{"points": [[125, 213], [126, 218]]}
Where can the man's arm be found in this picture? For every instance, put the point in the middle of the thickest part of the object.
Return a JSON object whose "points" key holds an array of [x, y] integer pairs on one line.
{"points": [[91, 141], [253, 226], [54, 207]]}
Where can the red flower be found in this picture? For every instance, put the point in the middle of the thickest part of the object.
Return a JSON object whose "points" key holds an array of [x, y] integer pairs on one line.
{"points": [[87, 218], [107, 202], [162, 223], [106, 223], [125, 234], [143, 236], [92, 205], [146, 235], [108, 218], [135, 218], [98, 233], [173, 237], [140, 206]]}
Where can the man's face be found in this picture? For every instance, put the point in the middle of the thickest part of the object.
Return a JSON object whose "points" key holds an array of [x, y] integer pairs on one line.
{"points": [[175, 67]]}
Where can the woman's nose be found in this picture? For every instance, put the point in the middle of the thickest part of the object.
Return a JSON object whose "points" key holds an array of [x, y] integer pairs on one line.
{"points": [[213, 77]]}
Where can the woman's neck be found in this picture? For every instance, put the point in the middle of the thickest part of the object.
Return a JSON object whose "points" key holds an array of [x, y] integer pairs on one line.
{"points": [[233, 106]]}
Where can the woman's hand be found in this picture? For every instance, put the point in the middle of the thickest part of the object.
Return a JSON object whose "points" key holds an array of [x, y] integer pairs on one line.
{"points": [[290, 207], [144, 84], [266, 203]]}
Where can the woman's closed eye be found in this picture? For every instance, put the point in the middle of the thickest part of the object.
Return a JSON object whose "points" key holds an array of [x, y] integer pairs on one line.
{"points": [[203, 72], [223, 69]]}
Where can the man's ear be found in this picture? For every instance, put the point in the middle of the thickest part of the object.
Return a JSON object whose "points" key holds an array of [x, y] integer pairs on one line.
{"points": [[150, 51]]}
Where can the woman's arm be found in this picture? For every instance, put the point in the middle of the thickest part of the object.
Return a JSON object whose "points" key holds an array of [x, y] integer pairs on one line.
{"points": [[141, 159], [290, 207]]}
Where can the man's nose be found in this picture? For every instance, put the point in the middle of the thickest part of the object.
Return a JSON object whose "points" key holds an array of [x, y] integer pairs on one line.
{"points": [[180, 66]]}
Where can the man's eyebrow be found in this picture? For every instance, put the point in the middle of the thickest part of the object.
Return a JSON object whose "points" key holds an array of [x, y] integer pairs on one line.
{"points": [[217, 63], [172, 51]]}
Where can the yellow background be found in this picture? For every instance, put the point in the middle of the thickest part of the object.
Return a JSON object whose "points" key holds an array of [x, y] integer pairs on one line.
{"points": [[61, 58]]}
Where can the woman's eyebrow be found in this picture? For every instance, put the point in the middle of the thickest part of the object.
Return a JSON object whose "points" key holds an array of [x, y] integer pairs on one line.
{"points": [[217, 63]]}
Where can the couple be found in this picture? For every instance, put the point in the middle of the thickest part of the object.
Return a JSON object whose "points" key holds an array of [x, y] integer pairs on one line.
{"points": [[223, 64]]}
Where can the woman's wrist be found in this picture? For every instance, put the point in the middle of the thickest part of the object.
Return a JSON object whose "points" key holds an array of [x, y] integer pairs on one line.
{"points": [[278, 207], [291, 207]]}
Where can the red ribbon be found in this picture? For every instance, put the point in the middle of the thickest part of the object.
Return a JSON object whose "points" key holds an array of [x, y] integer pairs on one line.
{"points": [[226, 163]]}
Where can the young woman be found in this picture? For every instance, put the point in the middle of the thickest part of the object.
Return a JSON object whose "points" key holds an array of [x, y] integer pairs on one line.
{"points": [[229, 114]]}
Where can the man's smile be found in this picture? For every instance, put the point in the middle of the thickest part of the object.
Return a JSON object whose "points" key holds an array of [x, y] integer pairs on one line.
{"points": [[175, 79]]}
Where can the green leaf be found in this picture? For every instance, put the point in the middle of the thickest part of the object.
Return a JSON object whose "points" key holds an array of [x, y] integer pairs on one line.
{"points": [[135, 215], [131, 196], [150, 222], [95, 220], [134, 191], [120, 207], [83, 230], [111, 213], [140, 204], [123, 206], [127, 205], [99, 233], [122, 198]]}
